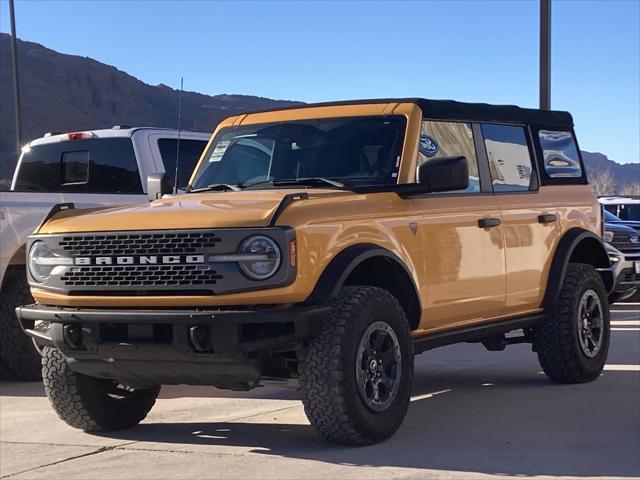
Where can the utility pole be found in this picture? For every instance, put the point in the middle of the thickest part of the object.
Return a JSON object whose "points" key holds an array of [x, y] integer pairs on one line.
{"points": [[16, 84], [545, 54]]}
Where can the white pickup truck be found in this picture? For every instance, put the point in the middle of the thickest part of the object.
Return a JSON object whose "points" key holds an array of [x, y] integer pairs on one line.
{"points": [[89, 169]]}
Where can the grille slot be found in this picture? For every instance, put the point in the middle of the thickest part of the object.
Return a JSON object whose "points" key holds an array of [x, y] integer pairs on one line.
{"points": [[140, 275], [139, 243], [622, 242], [631, 277]]}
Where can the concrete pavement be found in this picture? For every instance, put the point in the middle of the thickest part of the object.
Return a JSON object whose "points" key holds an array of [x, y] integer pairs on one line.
{"points": [[474, 414]]}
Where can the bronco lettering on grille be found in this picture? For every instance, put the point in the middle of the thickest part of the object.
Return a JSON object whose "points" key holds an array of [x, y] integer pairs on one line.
{"points": [[140, 260]]}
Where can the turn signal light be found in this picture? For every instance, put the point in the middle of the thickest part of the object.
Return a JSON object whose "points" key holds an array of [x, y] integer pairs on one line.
{"points": [[293, 253]]}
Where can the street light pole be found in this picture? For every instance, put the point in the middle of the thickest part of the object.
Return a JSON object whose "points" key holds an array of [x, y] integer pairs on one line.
{"points": [[16, 85], [545, 54]]}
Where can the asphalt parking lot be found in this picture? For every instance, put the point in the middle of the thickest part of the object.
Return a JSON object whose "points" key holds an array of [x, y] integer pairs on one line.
{"points": [[474, 414]]}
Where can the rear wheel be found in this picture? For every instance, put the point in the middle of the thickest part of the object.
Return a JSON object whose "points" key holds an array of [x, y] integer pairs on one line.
{"points": [[573, 341], [17, 350], [92, 404], [356, 375]]}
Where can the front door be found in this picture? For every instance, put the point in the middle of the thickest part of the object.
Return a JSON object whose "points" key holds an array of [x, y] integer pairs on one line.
{"points": [[463, 279]]}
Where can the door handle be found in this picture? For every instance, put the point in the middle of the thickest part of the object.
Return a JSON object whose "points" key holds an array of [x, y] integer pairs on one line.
{"points": [[489, 222], [547, 218]]}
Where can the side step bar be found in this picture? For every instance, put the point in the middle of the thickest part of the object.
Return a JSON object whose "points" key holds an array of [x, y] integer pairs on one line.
{"points": [[475, 333]]}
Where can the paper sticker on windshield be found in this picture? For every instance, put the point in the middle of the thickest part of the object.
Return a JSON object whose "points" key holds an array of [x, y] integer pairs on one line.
{"points": [[428, 146], [218, 151]]}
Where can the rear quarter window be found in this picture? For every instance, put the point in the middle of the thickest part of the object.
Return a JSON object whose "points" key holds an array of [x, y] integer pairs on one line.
{"points": [[105, 165], [560, 154]]}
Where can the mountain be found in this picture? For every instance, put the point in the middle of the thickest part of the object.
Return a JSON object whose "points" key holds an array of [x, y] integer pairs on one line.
{"points": [[610, 178], [62, 92]]}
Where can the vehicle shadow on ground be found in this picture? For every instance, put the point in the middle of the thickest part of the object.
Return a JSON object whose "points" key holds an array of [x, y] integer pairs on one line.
{"points": [[507, 425], [11, 387]]}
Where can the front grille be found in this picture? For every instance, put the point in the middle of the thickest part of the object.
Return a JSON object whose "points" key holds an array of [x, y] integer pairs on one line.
{"points": [[631, 277], [139, 243], [623, 242], [140, 275], [157, 262]]}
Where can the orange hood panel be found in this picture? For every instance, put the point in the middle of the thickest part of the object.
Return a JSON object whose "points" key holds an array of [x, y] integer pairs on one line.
{"points": [[251, 208]]}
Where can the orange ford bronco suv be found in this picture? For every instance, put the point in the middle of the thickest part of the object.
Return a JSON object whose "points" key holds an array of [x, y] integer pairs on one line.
{"points": [[328, 244]]}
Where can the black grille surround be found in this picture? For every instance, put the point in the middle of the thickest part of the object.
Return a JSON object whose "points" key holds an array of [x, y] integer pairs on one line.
{"points": [[152, 262]]}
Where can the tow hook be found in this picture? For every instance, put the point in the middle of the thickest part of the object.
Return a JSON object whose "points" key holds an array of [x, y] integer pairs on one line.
{"points": [[200, 337], [72, 334]]}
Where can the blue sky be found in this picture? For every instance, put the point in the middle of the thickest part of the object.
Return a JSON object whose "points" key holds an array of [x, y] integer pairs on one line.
{"points": [[316, 51]]}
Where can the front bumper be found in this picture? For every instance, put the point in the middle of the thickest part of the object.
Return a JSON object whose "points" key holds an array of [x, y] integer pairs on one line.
{"points": [[225, 348]]}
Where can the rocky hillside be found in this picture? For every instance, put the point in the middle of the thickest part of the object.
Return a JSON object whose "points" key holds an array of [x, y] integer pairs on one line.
{"points": [[611, 178], [66, 92]]}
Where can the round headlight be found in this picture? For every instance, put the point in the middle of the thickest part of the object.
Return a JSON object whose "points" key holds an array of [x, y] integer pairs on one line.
{"points": [[263, 257], [41, 261]]}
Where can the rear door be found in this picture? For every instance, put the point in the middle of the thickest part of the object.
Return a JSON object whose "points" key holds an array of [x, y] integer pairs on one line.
{"points": [[529, 216]]}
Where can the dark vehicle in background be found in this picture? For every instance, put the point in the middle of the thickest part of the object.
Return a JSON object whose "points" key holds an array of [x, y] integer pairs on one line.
{"points": [[625, 209], [623, 247]]}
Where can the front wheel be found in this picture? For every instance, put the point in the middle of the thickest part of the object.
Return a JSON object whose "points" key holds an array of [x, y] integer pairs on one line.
{"points": [[573, 341], [356, 375], [92, 404]]}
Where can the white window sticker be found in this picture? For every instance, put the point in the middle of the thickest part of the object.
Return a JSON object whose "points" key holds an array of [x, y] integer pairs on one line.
{"points": [[218, 151]]}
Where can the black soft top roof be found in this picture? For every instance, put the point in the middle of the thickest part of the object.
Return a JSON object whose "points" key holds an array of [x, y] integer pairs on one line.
{"points": [[478, 112]]}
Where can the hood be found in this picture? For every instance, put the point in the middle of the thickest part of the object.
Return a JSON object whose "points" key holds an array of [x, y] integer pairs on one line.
{"points": [[617, 227], [251, 208]]}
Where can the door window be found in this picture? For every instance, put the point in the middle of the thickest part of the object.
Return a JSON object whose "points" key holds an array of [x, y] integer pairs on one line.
{"points": [[190, 151], [449, 139], [509, 158]]}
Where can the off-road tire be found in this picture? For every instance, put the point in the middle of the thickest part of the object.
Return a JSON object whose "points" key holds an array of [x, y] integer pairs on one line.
{"points": [[83, 402], [17, 350], [556, 340], [330, 394]]}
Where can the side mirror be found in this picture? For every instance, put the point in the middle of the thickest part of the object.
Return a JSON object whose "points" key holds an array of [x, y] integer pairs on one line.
{"points": [[158, 184], [444, 174]]}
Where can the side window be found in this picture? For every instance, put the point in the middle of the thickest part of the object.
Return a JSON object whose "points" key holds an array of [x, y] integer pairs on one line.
{"points": [[75, 167], [449, 139], [560, 154], [190, 151], [509, 158]]}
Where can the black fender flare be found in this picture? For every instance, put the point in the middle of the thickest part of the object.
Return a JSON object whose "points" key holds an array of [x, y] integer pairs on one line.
{"points": [[342, 265], [563, 253]]}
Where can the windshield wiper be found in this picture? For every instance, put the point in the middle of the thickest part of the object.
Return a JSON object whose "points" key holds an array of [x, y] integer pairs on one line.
{"points": [[305, 181], [216, 187]]}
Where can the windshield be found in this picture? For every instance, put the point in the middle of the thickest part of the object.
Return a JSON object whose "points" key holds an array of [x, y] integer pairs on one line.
{"points": [[352, 150], [610, 217], [630, 211]]}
